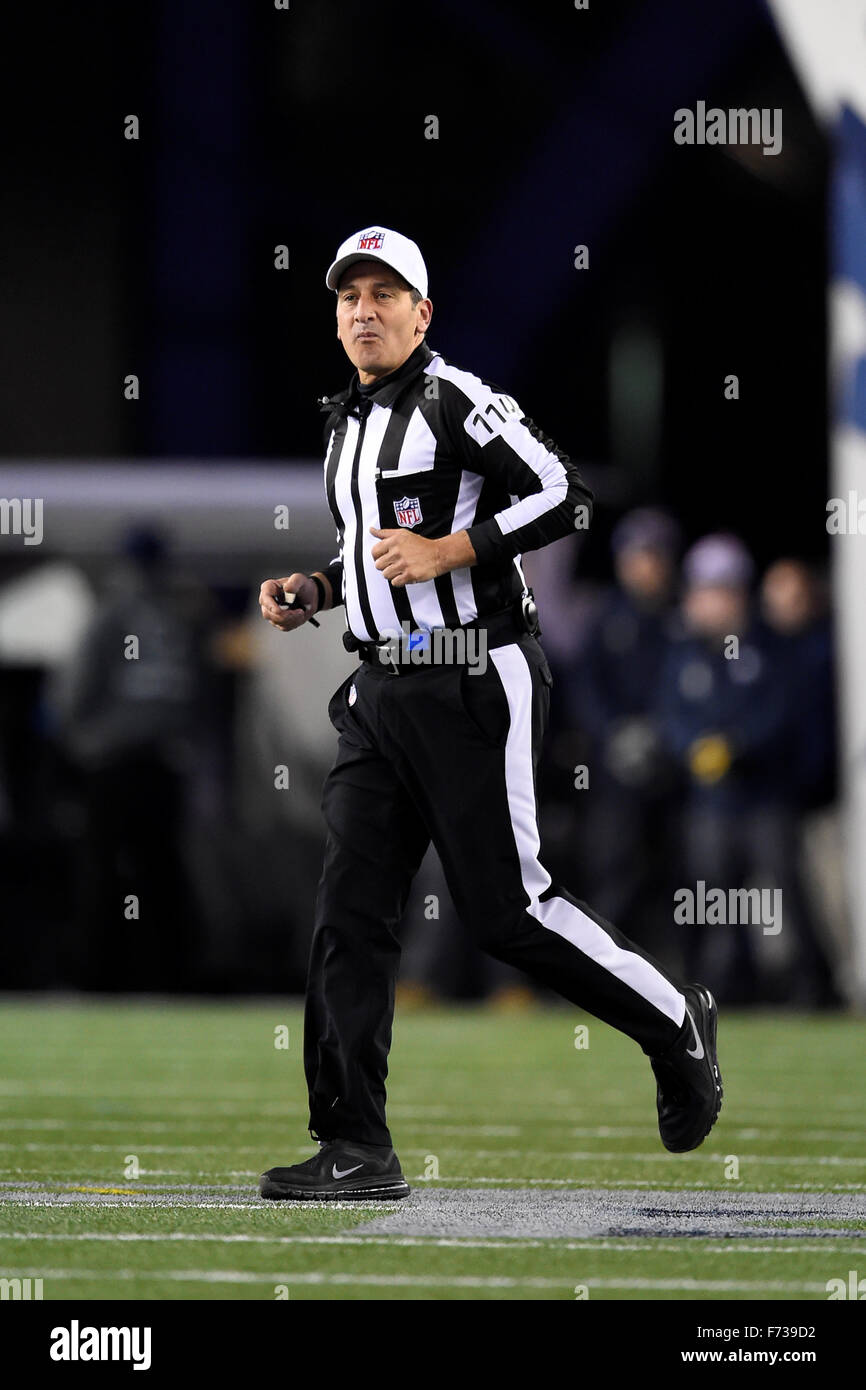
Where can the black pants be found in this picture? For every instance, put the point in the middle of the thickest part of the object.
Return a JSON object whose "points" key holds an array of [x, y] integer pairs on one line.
{"points": [[447, 754]]}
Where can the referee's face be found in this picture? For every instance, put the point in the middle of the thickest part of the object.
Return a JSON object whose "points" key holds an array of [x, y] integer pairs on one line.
{"points": [[377, 323]]}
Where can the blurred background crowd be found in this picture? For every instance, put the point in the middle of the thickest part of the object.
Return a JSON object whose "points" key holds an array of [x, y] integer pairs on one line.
{"points": [[165, 333], [692, 737]]}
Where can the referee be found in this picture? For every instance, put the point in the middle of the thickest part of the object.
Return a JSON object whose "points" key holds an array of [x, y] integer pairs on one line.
{"points": [[438, 483]]}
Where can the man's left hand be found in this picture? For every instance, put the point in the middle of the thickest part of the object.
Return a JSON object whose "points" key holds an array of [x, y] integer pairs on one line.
{"points": [[405, 557]]}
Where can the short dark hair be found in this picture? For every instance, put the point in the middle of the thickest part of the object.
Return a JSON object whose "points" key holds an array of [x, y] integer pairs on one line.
{"points": [[415, 296]]}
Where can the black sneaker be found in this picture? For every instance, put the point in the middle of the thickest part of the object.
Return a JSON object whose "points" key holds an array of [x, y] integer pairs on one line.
{"points": [[689, 1095], [341, 1171]]}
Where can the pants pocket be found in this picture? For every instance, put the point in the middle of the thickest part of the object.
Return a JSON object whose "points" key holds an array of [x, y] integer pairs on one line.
{"points": [[536, 657], [485, 705], [338, 703]]}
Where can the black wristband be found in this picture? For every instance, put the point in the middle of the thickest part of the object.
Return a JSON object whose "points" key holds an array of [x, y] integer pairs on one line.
{"points": [[321, 591]]}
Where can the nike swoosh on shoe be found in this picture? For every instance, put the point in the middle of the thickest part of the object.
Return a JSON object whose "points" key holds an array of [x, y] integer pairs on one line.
{"points": [[337, 1173], [698, 1054]]}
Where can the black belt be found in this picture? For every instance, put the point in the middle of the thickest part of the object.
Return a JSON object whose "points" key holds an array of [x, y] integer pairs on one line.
{"points": [[394, 655]]}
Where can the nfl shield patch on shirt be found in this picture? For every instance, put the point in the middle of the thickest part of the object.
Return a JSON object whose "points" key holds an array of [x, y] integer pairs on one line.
{"points": [[408, 511]]}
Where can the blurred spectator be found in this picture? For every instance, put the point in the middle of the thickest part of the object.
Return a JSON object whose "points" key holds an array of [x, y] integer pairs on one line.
{"points": [[794, 606], [614, 692], [795, 603], [726, 710], [131, 708]]}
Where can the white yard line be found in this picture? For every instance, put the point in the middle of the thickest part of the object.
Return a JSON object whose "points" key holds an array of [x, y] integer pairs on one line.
{"points": [[251, 1102], [581, 1156], [421, 1281], [570, 1182], [158, 1199], [749, 1133], [32, 1146], [171, 1204], [736, 1245], [571, 1179], [625, 1156]]}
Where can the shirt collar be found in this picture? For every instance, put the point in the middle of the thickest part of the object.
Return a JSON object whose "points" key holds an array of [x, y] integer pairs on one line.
{"points": [[389, 388]]}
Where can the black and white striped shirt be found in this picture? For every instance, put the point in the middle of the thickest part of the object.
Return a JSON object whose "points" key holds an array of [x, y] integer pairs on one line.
{"points": [[439, 450]]}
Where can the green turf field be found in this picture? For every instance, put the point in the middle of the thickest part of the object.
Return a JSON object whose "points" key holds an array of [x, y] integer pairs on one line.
{"points": [[536, 1167]]}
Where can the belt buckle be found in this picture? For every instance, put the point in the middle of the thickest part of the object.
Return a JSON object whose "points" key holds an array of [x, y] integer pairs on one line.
{"points": [[404, 645], [390, 665]]}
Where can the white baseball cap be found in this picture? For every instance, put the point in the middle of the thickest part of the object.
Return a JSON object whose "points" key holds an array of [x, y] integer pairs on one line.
{"points": [[381, 244]]}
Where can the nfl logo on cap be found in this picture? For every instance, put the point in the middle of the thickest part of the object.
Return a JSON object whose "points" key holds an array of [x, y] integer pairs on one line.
{"points": [[371, 241], [385, 245]]}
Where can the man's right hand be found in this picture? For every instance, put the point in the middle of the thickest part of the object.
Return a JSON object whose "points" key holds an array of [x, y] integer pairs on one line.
{"points": [[287, 619]]}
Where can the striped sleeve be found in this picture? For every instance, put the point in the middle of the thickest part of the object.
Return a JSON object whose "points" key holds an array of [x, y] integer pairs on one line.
{"points": [[496, 440]]}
